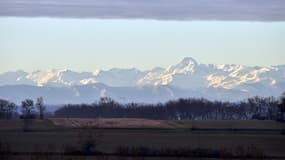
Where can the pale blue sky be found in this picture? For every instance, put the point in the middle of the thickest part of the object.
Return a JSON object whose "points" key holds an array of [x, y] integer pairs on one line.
{"points": [[89, 44]]}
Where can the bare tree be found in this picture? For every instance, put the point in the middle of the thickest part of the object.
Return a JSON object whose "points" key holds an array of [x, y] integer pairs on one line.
{"points": [[7, 109], [28, 108], [3, 108], [281, 104], [106, 100], [11, 110], [40, 107]]}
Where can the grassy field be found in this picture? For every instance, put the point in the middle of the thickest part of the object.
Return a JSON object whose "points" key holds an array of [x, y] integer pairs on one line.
{"points": [[44, 135], [146, 123]]}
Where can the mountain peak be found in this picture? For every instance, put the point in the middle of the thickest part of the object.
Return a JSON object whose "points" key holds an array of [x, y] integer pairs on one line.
{"points": [[189, 61], [188, 64]]}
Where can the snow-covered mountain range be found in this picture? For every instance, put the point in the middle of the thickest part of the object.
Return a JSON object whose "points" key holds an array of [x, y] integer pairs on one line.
{"points": [[188, 78]]}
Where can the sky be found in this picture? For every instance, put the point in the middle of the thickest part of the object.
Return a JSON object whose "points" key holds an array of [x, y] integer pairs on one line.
{"points": [[101, 34], [90, 44]]}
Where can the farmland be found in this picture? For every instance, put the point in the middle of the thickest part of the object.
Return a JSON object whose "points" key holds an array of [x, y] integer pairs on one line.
{"points": [[53, 135]]}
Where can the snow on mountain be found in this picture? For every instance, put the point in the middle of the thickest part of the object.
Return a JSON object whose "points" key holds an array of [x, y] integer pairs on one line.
{"points": [[114, 77], [191, 75], [120, 77], [55, 77], [151, 77], [186, 66], [14, 78], [187, 78]]}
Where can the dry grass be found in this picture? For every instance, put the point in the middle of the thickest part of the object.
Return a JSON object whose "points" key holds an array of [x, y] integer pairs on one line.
{"points": [[146, 123], [113, 123]]}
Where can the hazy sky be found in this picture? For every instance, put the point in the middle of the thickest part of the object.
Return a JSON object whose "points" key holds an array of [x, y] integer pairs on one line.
{"points": [[90, 44], [86, 35]]}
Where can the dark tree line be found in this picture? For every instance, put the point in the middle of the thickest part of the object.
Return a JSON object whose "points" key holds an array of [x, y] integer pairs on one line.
{"points": [[7, 109], [181, 109], [29, 109]]}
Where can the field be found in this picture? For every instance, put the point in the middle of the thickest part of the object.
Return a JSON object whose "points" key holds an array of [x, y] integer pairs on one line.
{"points": [[52, 135]]}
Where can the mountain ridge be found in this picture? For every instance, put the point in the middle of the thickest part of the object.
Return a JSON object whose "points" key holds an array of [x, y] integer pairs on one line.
{"points": [[222, 81]]}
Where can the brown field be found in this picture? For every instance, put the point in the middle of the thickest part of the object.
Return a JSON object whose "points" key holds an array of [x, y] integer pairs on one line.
{"points": [[146, 123], [51, 135], [113, 123]]}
